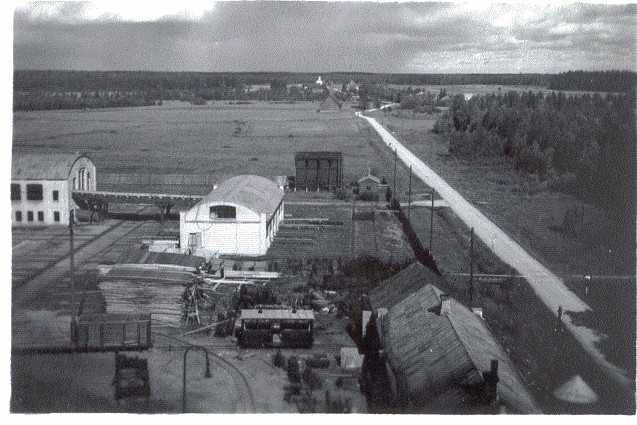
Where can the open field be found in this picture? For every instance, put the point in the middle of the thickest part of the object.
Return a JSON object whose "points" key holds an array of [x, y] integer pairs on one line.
{"points": [[218, 140]]}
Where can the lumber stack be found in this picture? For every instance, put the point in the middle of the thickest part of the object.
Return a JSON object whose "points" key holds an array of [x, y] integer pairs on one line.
{"points": [[161, 299]]}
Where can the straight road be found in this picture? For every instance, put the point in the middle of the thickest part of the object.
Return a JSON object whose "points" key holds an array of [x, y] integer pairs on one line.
{"points": [[548, 287]]}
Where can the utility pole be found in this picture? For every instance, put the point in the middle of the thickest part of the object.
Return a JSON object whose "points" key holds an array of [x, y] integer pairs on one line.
{"points": [[72, 276], [471, 271], [409, 196], [395, 163], [431, 222]]}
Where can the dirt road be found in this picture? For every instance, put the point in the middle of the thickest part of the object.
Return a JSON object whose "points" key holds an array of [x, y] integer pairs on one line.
{"points": [[548, 287]]}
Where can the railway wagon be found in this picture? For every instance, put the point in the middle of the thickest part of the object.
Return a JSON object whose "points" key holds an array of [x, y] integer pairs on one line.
{"points": [[286, 328], [319, 170]]}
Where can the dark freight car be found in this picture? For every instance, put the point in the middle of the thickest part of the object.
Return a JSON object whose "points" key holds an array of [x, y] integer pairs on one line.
{"points": [[319, 170], [275, 328]]}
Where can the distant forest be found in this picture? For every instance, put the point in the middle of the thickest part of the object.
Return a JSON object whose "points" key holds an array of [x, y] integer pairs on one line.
{"points": [[146, 80], [582, 144], [37, 90]]}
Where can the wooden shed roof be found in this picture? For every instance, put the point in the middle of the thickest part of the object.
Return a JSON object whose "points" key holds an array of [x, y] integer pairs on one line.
{"points": [[39, 166], [409, 280], [430, 353]]}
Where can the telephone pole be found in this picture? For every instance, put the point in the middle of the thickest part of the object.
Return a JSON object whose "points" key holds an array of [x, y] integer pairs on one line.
{"points": [[409, 196], [395, 164], [431, 223], [72, 275], [471, 271]]}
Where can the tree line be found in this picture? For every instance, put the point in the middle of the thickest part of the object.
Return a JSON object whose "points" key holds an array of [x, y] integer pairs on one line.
{"points": [[605, 81], [581, 144]]}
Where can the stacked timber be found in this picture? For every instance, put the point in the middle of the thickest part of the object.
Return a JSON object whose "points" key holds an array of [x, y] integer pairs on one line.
{"points": [[162, 300]]}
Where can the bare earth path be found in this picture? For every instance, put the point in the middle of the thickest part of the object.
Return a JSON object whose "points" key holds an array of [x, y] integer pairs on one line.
{"points": [[548, 287]]}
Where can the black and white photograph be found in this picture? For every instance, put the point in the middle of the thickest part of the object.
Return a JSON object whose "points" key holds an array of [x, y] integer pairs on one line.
{"points": [[345, 207]]}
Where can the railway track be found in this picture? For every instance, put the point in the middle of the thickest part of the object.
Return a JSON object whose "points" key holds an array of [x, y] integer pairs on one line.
{"points": [[30, 287], [245, 397]]}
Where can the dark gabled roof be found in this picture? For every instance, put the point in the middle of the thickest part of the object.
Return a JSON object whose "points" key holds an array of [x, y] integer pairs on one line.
{"points": [[43, 166], [401, 285], [431, 353]]}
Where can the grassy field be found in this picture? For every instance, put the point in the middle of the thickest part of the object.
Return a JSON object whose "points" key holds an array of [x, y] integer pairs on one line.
{"points": [[219, 140]]}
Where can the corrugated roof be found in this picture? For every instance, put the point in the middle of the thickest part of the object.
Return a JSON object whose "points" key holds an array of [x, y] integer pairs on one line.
{"points": [[277, 314], [401, 285], [256, 193], [430, 353], [42, 166]]}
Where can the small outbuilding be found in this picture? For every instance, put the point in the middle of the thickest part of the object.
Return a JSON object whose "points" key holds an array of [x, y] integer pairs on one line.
{"points": [[371, 187], [42, 186], [239, 217]]}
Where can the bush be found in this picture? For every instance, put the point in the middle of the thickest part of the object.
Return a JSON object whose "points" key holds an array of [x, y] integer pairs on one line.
{"points": [[311, 379], [294, 372], [279, 359]]}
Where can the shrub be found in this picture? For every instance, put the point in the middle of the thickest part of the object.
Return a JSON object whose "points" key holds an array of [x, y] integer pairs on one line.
{"points": [[279, 359]]}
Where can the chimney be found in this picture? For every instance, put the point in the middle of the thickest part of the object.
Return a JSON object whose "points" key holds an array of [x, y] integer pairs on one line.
{"points": [[491, 379], [445, 304]]}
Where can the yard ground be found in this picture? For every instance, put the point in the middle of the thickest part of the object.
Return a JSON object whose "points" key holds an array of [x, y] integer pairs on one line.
{"points": [[249, 380]]}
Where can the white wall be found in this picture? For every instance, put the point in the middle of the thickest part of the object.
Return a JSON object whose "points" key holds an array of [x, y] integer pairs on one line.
{"points": [[47, 205], [245, 235]]}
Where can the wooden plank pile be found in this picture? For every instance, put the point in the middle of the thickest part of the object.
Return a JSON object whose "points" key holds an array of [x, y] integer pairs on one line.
{"points": [[162, 300]]}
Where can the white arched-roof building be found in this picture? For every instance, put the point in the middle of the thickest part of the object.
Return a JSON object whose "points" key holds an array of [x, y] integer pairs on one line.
{"points": [[42, 184], [239, 217]]}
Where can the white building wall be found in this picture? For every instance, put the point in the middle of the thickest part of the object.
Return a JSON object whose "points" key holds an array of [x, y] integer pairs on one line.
{"points": [[47, 205], [244, 235], [83, 174]]}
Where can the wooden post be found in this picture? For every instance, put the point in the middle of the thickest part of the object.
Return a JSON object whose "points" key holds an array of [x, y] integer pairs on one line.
{"points": [[409, 196], [471, 271], [72, 277], [431, 222], [395, 163]]}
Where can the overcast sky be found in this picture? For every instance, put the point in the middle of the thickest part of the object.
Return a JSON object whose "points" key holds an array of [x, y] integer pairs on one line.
{"points": [[320, 36]]}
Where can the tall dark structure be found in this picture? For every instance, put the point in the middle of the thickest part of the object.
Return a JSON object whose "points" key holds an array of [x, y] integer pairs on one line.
{"points": [[316, 170]]}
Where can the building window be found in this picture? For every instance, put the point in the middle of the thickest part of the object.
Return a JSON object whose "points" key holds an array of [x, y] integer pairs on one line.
{"points": [[18, 216], [29, 215], [56, 195], [223, 211], [56, 216], [34, 192], [40, 215], [16, 194]]}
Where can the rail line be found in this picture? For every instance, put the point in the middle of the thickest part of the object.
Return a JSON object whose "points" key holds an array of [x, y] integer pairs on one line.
{"points": [[250, 405]]}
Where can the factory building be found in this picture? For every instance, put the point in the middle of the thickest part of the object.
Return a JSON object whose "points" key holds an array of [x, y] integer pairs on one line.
{"points": [[41, 187], [239, 217]]}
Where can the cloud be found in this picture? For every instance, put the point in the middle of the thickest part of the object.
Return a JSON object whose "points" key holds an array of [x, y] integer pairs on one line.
{"points": [[327, 36]]}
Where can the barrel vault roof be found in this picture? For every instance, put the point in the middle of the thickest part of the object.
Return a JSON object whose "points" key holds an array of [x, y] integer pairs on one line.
{"points": [[40, 166], [256, 193]]}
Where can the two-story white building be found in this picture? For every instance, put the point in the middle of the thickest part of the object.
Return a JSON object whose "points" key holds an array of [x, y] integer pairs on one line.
{"points": [[42, 184], [240, 217]]}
